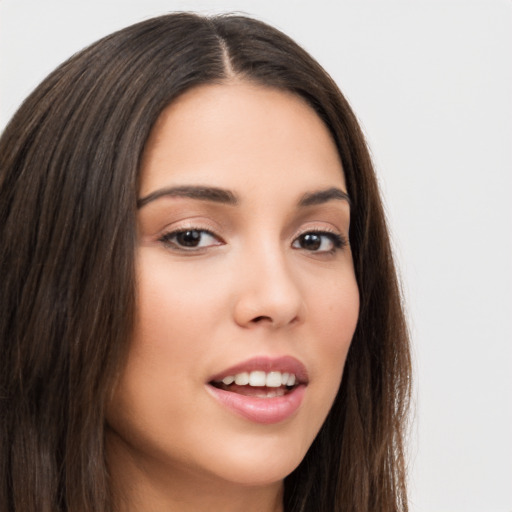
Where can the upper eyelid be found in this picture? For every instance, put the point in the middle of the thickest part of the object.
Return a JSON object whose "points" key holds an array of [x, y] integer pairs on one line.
{"points": [[315, 227], [318, 229], [174, 232], [191, 224]]}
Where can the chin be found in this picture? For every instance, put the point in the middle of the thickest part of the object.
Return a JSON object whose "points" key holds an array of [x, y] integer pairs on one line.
{"points": [[265, 461], [261, 474]]}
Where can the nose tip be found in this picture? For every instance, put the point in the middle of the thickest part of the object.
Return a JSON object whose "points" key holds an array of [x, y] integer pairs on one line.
{"points": [[268, 296]]}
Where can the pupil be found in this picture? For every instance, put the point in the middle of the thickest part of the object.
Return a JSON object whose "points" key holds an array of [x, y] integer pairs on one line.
{"points": [[189, 238], [311, 241]]}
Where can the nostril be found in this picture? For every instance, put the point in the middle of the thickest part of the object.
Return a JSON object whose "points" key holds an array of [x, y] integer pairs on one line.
{"points": [[261, 319]]}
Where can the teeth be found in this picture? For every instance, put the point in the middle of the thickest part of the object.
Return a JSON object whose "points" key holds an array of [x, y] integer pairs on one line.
{"points": [[274, 393], [271, 394], [257, 378], [260, 378], [273, 380], [242, 379], [291, 380]]}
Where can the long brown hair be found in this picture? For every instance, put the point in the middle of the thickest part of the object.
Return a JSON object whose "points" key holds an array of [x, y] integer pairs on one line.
{"points": [[69, 162]]}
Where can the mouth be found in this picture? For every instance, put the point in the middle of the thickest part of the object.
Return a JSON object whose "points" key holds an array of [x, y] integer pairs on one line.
{"points": [[262, 390], [258, 383]]}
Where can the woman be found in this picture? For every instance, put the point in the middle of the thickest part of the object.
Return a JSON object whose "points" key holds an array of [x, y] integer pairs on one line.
{"points": [[194, 256]]}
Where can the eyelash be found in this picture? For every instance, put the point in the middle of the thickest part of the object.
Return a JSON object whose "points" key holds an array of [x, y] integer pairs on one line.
{"points": [[338, 241], [168, 239]]}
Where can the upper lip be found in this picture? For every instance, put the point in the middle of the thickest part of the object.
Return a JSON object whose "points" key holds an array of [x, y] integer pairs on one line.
{"points": [[267, 364]]}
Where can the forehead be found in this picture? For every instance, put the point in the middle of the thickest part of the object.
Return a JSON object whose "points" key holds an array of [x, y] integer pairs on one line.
{"points": [[240, 135]]}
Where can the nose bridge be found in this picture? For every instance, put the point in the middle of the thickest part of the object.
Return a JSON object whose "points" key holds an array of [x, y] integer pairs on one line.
{"points": [[268, 289]]}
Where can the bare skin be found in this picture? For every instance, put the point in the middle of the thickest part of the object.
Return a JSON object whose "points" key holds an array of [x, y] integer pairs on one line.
{"points": [[243, 253]]}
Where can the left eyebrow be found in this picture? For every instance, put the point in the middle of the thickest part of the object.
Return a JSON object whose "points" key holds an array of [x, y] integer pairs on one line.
{"points": [[323, 196], [214, 194]]}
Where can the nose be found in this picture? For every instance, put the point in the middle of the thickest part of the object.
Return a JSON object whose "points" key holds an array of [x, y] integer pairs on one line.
{"points": [[267, 292]]}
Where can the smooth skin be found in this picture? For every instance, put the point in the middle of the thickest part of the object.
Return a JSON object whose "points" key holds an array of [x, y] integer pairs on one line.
{"points": [[223, 277]]}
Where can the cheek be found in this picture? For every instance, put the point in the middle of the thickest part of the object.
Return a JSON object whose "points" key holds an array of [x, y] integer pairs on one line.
{"points": [[336, 311], [174, 309], [172, 330], [336, 307], [174, 321]]}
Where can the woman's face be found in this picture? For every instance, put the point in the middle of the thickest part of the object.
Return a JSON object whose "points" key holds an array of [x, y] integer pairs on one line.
{"points": [[244, 272]]}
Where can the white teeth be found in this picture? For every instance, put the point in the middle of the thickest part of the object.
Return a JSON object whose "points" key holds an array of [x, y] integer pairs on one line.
{"points": [[242, 379], [291, 380], [257, 379], [260, 378], [273, 379]]}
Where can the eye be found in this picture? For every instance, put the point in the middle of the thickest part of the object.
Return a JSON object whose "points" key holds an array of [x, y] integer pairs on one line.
{"points": [[319, 241], [190, 239]]}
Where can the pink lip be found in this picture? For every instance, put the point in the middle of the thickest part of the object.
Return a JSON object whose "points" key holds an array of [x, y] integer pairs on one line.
{"points": [[267, 364], [263, 410]]}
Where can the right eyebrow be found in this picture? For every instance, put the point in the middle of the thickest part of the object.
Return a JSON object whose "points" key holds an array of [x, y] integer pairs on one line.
{"points": [[203, 193], [324, 196]]}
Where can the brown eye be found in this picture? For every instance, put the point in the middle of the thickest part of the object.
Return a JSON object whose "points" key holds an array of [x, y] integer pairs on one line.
{"points": [[310, 241], [190, 239], [319, 241]]}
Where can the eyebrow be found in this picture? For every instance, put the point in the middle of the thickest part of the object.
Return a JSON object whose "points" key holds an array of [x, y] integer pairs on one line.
{"points": [[323, 196], [223, 196], [217, 195]]}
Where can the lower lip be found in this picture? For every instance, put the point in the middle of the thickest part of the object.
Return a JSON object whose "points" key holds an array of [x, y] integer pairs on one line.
{"points": [[261, 410]]}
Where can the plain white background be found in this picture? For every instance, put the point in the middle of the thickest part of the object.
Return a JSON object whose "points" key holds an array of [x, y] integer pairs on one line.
{"points": [[431, 83]]}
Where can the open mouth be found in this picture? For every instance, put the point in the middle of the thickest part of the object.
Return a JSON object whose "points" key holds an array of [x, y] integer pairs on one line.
{"points": [[262, 390], [258, 384]]}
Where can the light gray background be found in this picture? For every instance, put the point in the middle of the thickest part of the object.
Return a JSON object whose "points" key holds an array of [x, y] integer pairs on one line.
{"points": [[431, 83]]}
